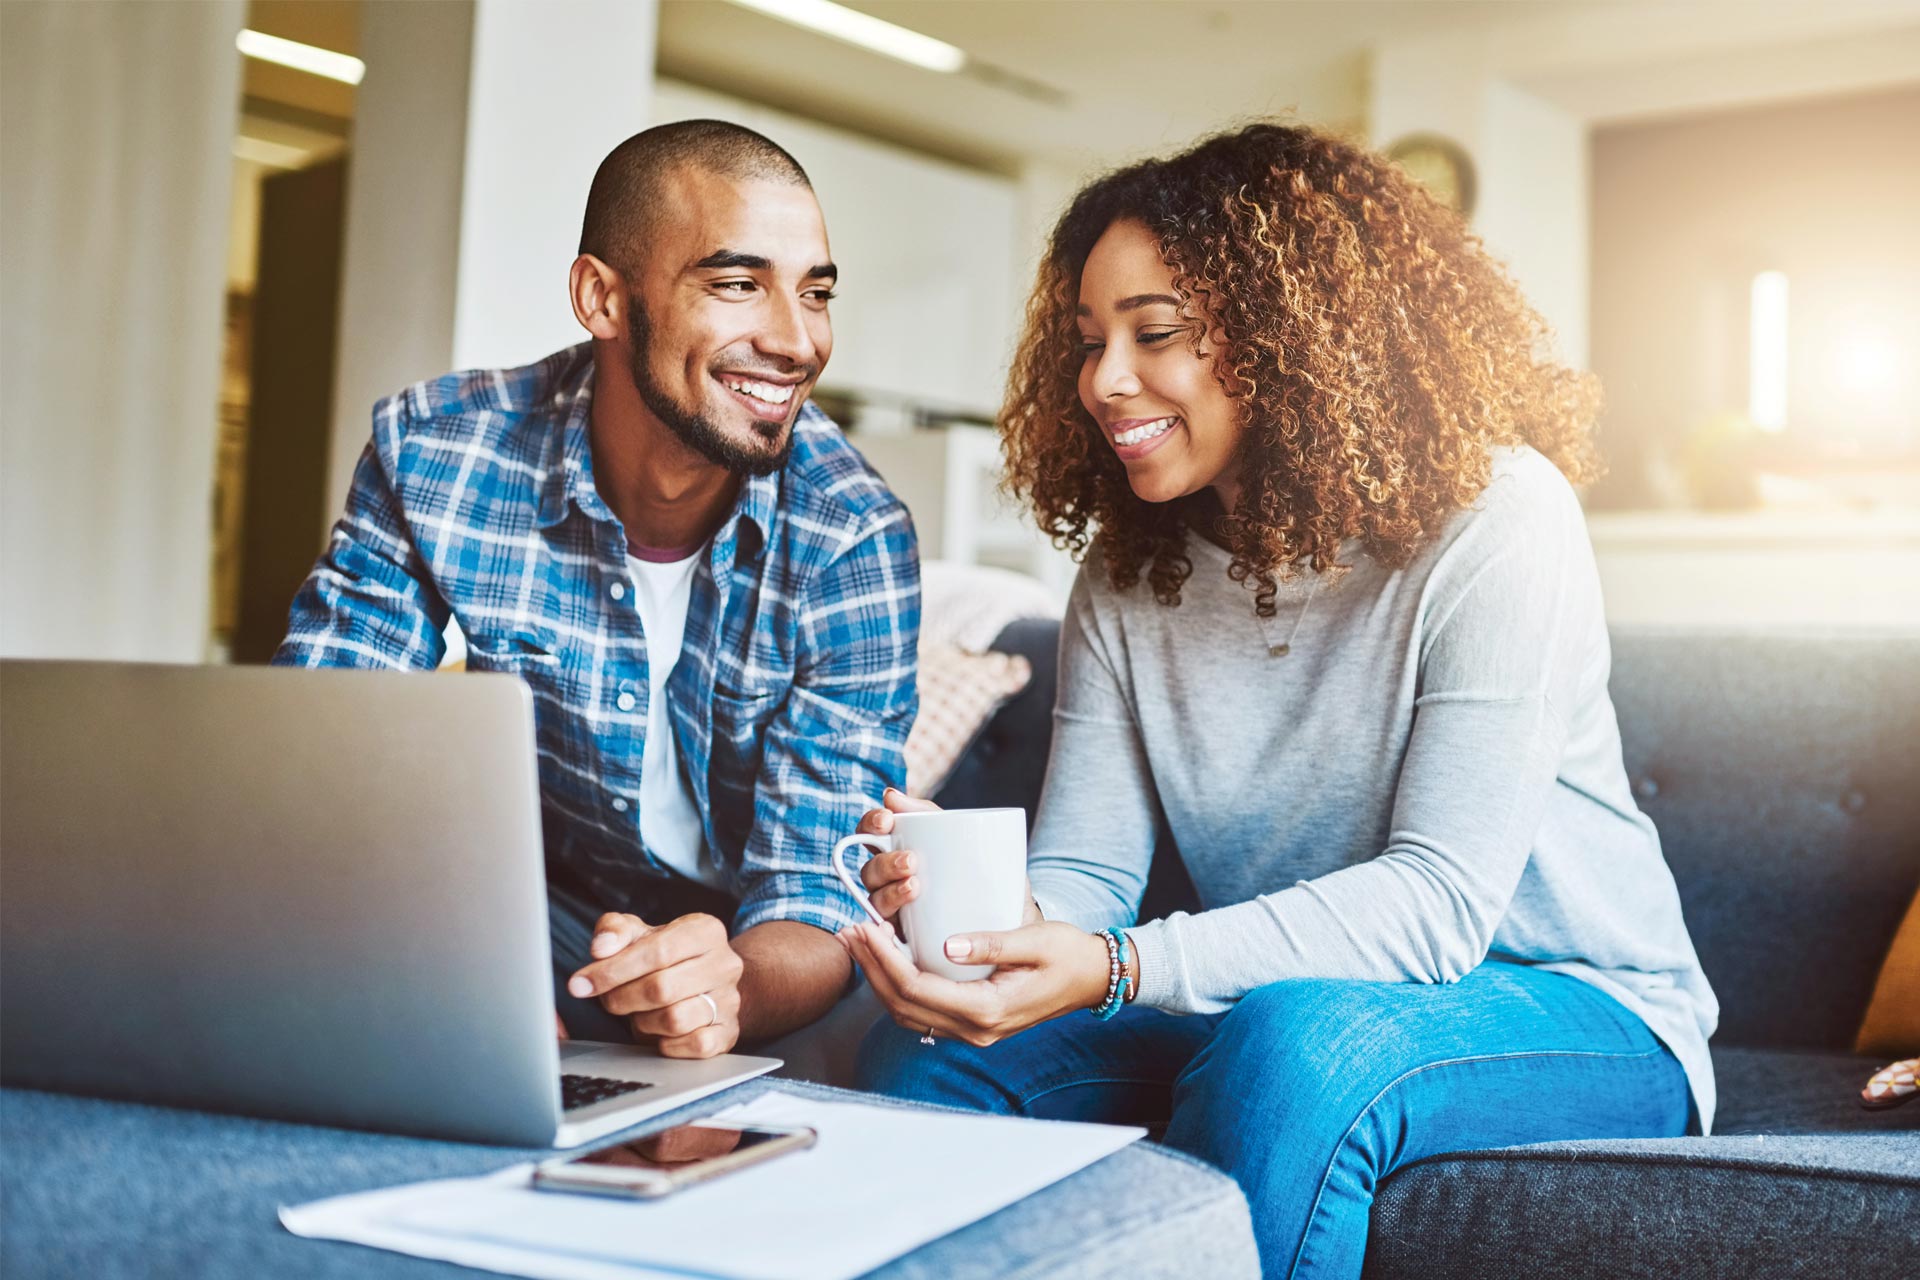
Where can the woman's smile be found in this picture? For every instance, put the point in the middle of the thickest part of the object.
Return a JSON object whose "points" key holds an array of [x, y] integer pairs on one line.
{"points": [[1137, 437]]}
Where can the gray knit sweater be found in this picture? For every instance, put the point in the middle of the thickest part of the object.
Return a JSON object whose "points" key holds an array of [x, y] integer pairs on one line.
{"points": [[1430, 775]]}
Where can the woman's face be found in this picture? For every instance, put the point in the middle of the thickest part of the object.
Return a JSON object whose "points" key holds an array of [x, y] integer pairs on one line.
{"points": [[1172, 425]]}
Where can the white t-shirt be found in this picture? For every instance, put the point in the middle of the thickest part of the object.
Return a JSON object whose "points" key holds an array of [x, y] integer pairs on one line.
{"points": [[670, 825]]}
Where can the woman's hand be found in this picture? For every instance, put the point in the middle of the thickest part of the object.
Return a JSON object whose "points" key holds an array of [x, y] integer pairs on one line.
{"points": [[889, 877], [1045, 970]]}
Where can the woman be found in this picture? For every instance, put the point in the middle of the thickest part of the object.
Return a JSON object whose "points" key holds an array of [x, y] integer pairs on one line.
{"points": [[1340, 642]]}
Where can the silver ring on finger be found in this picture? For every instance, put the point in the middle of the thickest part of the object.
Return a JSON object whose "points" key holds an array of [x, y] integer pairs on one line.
{"points": [[713, 1005], [927, 1038]]}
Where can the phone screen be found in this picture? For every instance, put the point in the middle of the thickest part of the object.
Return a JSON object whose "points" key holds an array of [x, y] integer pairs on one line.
{"points": [[681, 1148]]}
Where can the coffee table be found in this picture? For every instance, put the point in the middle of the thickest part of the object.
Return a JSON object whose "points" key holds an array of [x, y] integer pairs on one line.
{"points": [[96, 1188]]}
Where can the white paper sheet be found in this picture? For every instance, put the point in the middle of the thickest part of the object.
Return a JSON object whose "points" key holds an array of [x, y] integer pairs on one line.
{"points": [[880, 1182]]}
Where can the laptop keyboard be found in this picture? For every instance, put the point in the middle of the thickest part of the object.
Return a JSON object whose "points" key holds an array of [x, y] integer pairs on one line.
{"points": [[584, 1091]]}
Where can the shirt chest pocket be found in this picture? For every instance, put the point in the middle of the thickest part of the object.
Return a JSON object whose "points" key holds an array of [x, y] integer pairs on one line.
{"points": [[511, 654], [740, 720]]}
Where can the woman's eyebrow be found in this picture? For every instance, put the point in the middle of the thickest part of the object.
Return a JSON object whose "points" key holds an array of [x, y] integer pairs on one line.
{"points": [[1134, 303]]}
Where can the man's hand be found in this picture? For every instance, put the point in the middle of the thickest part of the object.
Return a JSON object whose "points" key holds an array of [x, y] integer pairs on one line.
{"points": [[677, 984]]}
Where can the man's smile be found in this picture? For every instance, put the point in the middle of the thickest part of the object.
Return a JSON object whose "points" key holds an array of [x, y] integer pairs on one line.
{"points": [[766, 399]]}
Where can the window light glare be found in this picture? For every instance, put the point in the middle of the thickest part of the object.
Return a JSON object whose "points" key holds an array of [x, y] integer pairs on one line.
{"points": [[301, 57], [1867, 364], [1767, 351], [863, 29]]}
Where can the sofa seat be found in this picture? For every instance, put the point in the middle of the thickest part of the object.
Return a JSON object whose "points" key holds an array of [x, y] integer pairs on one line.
{"points": [[1793, 1158]]}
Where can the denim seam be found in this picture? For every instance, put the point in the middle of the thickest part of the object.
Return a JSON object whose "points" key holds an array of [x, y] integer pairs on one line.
{"points": [[1029, 1099], [1320, 1191]]}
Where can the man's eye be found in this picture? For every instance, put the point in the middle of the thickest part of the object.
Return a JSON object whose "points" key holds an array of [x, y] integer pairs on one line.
{"points": [[822, 295], [737, 286]]}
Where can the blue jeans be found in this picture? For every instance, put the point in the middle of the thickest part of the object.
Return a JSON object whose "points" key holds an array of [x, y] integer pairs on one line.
{"points": [[1311, 1093]]}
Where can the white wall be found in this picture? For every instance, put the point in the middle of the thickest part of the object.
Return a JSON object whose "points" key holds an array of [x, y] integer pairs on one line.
{"points": [[476, 134], [554, 87], [406, 164], [1530, 156], [925, 249], [116, 133]]}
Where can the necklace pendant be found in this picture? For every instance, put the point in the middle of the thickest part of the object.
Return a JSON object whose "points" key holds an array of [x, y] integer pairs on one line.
{"points": [[1279, 650]]}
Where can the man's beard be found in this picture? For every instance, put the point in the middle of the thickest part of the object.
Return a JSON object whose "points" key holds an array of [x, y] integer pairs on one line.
{"points": [[699, 433]]}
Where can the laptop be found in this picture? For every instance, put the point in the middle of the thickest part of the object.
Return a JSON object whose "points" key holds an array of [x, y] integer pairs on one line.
{"points": [[308, 895]]}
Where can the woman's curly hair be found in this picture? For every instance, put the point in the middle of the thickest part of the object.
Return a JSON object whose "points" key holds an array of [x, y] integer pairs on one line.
{"points": [[1376, 352]]}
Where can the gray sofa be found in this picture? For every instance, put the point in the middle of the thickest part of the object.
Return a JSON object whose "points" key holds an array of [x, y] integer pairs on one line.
{"points": [[1781, 771]]}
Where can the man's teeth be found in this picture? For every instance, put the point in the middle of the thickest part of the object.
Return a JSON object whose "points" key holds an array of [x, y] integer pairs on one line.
{"points": [[764, 391], [1146, 431]]}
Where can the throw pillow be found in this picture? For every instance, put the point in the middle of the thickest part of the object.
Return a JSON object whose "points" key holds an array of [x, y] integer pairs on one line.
{"points": [[959, 692], [968, 605], [1892, 1025]]}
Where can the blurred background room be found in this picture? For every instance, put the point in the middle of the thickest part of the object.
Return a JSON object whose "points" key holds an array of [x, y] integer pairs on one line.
{"points": [[226, 228]]}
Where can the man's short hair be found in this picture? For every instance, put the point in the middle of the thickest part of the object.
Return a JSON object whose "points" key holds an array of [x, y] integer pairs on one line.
{"points": [[631, 181]]}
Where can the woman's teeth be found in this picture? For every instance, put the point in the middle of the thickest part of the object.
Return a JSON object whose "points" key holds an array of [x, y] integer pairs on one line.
{"points": [[1146, 431], [766, 392]]}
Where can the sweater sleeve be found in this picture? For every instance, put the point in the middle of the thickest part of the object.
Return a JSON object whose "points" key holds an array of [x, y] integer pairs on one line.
{"points": [[1509, 612], [1099, 816]]}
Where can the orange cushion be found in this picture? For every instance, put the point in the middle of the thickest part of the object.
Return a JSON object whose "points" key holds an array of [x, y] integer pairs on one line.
{"points": [[1892, 1025]]}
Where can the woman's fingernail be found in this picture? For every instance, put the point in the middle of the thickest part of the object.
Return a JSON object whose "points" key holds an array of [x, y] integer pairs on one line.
{"points": [[959, 948], [891, 791], [909, 885], [580, 987]]}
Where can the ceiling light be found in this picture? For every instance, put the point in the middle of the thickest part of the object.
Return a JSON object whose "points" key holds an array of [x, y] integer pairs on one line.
{"points": [[301, 57], [863, 29]]}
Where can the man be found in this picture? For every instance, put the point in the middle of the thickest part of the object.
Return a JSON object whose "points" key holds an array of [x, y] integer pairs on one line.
{"points": [[713, 599]]}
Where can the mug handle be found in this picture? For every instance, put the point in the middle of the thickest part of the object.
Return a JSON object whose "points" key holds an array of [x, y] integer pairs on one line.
{"points": [[879, 844]]}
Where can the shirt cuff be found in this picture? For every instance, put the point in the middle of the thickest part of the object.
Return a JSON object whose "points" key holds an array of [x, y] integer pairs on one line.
{"points": [[753, 913], [1158, 955]]}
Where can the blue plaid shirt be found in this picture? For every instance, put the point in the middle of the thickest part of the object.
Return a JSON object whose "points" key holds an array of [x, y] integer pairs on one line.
{"points": [[796, 681]]}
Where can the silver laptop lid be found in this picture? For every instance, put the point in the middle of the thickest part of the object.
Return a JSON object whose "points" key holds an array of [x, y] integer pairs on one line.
{"points": [[306, 894]]}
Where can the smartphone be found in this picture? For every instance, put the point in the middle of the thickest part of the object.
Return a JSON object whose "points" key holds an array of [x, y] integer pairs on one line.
{"points": [[662, 1163]]}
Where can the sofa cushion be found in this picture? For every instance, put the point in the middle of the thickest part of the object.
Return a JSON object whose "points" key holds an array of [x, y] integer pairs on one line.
{"points": [[1788, 1092], [1779, 771], [1799, 1180]]}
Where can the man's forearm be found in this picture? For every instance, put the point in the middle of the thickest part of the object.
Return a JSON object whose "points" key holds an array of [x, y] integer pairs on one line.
{"points": [[791, 974]]}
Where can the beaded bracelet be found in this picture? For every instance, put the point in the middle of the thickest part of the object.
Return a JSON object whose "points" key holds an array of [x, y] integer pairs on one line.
{"points": [[1119, 984]]}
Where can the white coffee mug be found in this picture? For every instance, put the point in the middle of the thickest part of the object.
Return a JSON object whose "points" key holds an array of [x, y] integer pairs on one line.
{"points": [[972, 869]]}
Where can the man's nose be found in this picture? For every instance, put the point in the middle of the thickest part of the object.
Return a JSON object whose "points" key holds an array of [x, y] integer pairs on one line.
{"points": [[785, 334]]}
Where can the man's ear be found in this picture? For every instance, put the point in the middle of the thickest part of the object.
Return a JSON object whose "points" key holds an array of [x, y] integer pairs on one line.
{"points": [[599, 296]]}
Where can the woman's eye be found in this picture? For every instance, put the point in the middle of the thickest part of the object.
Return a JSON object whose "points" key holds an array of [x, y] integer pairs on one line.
{"points": [[1157, 336], [1091, 344]]}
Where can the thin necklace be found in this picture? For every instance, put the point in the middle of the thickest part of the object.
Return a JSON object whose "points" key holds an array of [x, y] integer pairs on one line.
{"points": [[1285, 647]]}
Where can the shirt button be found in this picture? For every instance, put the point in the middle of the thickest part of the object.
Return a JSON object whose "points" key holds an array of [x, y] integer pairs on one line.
{"points": [[619, 804], [626, 702], [618, 591]]}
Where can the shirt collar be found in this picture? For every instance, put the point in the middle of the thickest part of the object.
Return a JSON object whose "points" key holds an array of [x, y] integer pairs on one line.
{"points": [[569, 477]]}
